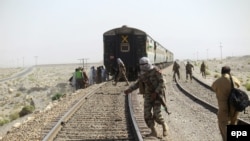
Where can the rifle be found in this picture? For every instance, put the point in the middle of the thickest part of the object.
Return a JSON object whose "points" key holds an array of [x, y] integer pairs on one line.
{"points": [[158, 97], [163, 104]]}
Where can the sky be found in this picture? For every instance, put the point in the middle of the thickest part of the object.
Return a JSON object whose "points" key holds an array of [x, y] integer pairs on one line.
{"points": [[64, 31]]}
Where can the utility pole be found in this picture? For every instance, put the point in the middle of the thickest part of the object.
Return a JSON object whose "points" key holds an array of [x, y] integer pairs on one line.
{"points": [[220, 52], [23, 62], [36, 73], [36, 60], [83, 62], [207, 54], [17, 62], [197, 54]]}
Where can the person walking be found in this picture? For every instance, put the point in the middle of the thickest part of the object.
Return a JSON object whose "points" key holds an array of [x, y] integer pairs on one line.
{"points": [[176, 68], [92, 75], [189, 68], [222, 87], [104, 74], [122, 71], [203, 70], [154, 95]]}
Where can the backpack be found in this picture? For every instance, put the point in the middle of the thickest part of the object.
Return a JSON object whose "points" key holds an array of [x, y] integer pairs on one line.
{"points": [[238, 98]]}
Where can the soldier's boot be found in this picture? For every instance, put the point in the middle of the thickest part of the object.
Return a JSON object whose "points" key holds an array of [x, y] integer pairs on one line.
{"points": [[165, 129], [153, 132]]}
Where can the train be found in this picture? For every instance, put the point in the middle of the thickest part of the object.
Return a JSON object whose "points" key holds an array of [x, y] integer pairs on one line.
{"points": [[130, 44]]}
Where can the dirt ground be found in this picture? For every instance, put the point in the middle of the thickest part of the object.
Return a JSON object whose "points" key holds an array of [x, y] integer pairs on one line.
{"points": [[41, 85], [46, 81], [240, 68]]}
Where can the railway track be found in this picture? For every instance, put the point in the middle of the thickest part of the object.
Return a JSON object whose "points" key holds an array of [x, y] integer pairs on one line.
{"points": [[100, 112], [39, 124], [201, 93], [101, 115], [93, 113]]}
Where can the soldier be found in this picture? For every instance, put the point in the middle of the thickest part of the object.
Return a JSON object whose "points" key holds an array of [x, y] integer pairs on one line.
{"points": [[222, 88], [122, 71], [154, 95], [189, 68], [176, 67], [203, 69]]}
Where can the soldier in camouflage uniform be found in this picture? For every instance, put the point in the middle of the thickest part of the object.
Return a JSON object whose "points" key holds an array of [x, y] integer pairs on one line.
{"points": [[176, 67], [203, 69], [154, 95], [189, 68], [122, 71]]}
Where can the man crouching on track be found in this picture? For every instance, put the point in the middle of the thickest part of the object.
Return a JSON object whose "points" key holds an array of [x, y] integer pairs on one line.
{"points": [[154, 95]]}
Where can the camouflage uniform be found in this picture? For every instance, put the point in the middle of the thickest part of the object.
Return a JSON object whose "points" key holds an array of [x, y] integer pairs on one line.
{"points": [[189, 68], [203, 70], [122, 72], [154, 97], [176, 67]]}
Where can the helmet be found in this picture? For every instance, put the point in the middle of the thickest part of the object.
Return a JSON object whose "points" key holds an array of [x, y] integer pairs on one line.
{"points": [[145, 64]]}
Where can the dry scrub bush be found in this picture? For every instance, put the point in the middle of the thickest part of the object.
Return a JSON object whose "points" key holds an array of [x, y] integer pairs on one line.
{"points": [[57, 96], [3, 121], [216, 75], [207, 72], [26, 110], [14, 116], [247, 85], [17, 94]]}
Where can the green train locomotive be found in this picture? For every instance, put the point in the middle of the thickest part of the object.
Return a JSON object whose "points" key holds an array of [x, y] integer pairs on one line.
{"points": [[130, 44]]}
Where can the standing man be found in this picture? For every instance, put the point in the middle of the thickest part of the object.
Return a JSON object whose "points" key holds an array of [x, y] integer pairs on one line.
{"points": [[122, 71], [176, 68], [85, 78], [189, 68], [92, 75], [222, 88], [79, 79], [104, 74], [99, 75], [203, 69], [154, 95]]}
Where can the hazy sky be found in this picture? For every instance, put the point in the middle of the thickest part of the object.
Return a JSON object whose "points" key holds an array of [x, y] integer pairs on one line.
{"points": [[63, 31]]}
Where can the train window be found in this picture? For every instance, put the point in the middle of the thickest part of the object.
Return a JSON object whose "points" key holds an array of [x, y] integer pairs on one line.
{"points": [[125, 47]]}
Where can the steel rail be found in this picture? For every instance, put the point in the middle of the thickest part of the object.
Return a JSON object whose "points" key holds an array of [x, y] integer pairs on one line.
{"points": [[54, 131], [206, 105], [240, 121], [133, 120]]}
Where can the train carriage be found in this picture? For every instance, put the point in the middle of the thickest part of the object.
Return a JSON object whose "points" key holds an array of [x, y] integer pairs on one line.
{"points": [[130, 44]]}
